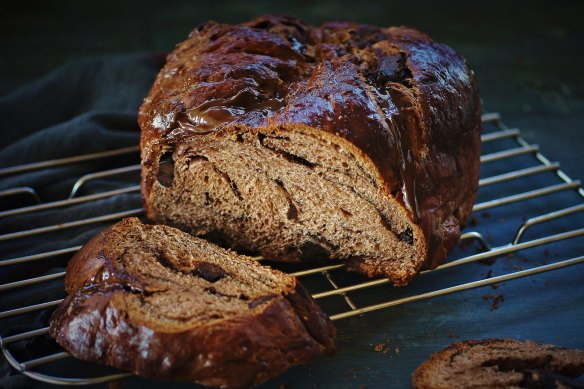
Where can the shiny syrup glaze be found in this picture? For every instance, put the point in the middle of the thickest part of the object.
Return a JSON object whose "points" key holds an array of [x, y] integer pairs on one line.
{"points": [[410, 104], [280, 73]]}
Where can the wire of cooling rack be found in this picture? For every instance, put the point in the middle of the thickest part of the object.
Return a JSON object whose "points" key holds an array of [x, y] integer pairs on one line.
{"points": [[352, 308]]}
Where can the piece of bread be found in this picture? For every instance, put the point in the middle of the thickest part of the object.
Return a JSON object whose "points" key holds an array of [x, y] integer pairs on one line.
{"points": [[501, 363], [163, 304], [345, 141]]}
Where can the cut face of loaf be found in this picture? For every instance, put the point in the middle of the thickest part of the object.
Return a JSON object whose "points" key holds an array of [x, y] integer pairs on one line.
{"points": [[290, 193], [501, 363], [343, 141], [165, 305]]}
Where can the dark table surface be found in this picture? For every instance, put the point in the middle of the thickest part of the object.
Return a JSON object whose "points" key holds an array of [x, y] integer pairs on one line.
{"points": [[528, 57]]}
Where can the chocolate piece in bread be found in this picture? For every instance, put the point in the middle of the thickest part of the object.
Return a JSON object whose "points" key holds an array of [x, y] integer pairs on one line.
{"points": [[501, 363], [165, 305], [360, 141]]}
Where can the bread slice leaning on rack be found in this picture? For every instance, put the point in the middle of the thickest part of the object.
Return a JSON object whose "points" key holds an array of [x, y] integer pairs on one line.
{"points": [[163, 304], [343, 141]]}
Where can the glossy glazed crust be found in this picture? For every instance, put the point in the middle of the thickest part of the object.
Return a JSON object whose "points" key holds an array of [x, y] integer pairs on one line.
{"points": [[410, 105], [94, 324]]}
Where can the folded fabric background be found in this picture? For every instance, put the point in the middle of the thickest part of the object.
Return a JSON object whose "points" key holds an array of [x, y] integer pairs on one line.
{"points": [[82, 107]]}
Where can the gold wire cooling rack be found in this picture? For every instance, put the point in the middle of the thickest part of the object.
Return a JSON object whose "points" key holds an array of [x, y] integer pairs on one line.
{"points": [[506, 160]]}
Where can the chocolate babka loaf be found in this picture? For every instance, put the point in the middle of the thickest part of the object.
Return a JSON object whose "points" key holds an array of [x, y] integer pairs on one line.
{"points": [[343, 141], [163, 304], [501, 363]]}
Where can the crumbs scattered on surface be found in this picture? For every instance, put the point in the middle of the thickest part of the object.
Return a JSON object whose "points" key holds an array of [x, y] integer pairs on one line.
{"points": [[382, 348], [453, 336], [495, 300]]}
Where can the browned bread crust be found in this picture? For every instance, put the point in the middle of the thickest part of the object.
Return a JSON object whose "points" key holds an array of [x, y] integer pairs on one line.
{"points": [[165, 305], [501, 363], [316, 120]]}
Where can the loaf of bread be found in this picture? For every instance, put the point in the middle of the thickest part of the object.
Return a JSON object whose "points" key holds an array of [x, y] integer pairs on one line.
{"points": [[501, 363], [165, 305], [343, 141]]}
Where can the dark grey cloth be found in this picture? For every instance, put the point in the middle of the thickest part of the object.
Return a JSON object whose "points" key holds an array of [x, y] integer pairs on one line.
{"points": [[83, 107]]}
